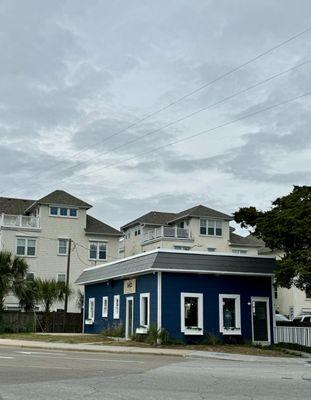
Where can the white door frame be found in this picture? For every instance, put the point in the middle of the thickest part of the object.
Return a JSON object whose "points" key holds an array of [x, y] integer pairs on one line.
{"points": [[265, 299], [126, 315]]}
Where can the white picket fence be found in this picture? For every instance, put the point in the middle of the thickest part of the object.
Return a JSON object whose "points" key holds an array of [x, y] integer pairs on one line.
{"points": [[293, 334]]}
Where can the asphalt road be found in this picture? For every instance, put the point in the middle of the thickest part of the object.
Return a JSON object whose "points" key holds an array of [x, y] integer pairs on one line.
{"points": [[34, 374]]}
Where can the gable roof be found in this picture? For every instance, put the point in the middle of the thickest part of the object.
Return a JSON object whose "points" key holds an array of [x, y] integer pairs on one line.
{"points": [[152, 218], [179, 261], [249, 241], [201, 211], [94, 226], [161, 218], [9, 205], [60, 197]]}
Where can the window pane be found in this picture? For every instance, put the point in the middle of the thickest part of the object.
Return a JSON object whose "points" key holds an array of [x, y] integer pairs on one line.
{"points": [[53, 210], [144, 311], [93, 250], [229, 318], [62, 246], [73, 212], [218, 231], [191, 312], [20, 248], [30, 276], [102, 251], [211, 231], [64, 211], [31, 247], [61, 278]]}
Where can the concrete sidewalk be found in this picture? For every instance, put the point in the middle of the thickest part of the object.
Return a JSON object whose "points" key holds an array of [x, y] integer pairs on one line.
{"points": [[157, 351]]}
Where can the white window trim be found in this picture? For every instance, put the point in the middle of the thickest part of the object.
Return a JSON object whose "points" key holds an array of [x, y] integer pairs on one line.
{"points": [[63, 216], [91, 318], [60, 273], [265, 299], [215, 223], [237, 330], [238, 251], [62, 254], [184, 329], [26, 238], [97, 251], [116, 312], [105, 309], [144, 296]]}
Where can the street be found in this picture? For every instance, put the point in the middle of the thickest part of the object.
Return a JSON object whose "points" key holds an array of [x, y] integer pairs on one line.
{"points": [[38, 374]]}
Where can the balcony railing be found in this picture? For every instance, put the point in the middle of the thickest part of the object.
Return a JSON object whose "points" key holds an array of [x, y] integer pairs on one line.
{"points": [[19, 221], [166, 232]]}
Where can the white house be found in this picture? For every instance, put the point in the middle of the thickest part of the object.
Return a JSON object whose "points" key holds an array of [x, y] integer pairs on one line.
{"points": [[199, 228], [39, 231]]}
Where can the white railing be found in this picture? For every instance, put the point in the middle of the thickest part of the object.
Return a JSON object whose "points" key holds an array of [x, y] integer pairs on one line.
{"points": [[293, 334], [166, 232], [19, 221]]}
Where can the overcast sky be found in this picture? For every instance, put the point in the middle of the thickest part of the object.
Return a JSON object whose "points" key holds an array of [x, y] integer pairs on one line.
{"points": [[75, 73]]}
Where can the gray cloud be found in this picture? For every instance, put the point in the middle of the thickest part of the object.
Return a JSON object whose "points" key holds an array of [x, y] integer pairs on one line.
{"points": [[72, 73]]}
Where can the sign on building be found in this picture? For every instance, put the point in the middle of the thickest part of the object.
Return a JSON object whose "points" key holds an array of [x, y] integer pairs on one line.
{"points": [[130, 286]]}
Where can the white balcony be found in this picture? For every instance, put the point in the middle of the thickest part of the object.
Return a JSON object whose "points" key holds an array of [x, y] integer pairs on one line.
{"points": [[19, 221], [168, 232]]}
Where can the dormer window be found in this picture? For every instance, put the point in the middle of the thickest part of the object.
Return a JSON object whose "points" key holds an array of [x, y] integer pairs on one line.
{"points": [[63, 212], [210, 227]]}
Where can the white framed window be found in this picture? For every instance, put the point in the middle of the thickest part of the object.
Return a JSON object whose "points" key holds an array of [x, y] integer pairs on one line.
{"points": [[63, 212], [116, 306], [62, 247], [91, 309], [308, 292], [30, 276], [191, 312], [210, 227], [230, 314], [26, 247], [137, 231], [61, 277], [186, 248], [105, 307], [98, 250], [239, 251], [144, 310]]}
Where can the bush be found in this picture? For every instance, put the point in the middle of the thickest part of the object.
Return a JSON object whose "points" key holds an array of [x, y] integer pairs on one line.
{"points": [[211, 339], [115, 330]]}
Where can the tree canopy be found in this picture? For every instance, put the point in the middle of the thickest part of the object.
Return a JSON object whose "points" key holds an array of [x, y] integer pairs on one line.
{"points": [[12, 275], [286, 228]]}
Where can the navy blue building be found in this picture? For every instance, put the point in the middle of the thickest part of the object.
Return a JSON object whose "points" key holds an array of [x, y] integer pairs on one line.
{"points": [[187, 293]]}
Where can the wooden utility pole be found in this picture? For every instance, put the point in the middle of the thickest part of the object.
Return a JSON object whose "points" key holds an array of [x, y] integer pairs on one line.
{"points": [[67, 274]]}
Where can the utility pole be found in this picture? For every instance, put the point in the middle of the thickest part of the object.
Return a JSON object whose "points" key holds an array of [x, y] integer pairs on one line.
{"points": [[67, 274]]}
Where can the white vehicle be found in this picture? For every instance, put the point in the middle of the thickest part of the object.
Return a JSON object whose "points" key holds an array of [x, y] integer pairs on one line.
{"points": [[281, 318]]}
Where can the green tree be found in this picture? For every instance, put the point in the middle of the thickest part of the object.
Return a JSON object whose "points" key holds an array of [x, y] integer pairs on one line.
{"points": [[286, 227], [13, 271], [49, 291]]}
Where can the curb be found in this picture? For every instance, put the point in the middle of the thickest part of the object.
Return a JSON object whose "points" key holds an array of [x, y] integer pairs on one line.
{"points": [[97, 349]]}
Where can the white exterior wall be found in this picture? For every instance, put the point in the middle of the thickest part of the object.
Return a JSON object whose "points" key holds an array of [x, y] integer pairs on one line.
{"points": [[134, 245], [47, 263]]}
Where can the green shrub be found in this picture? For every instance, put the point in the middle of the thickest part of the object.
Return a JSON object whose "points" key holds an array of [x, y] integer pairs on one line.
{"points": [[211, 339], [152, 335], [115, 330]]}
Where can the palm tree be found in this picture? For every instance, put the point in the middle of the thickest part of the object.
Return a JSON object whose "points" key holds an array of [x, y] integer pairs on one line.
{"points": [[13, 271], [49, 291]]}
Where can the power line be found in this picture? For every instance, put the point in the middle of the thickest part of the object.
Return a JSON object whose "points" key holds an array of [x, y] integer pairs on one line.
{"points": [[193, 113], [198, 89], [191, 93], [207, 130]]}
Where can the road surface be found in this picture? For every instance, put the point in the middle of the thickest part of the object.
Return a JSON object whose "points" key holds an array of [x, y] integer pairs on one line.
{"points": [[38, 374]]}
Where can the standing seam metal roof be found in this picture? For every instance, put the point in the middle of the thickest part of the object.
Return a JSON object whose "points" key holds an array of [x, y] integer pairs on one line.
{"points": [[180, 262]]}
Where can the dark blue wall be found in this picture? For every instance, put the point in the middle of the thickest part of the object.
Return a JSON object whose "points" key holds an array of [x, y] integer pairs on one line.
{"points": [[211, 286], [144, 284], [172, 285]]}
